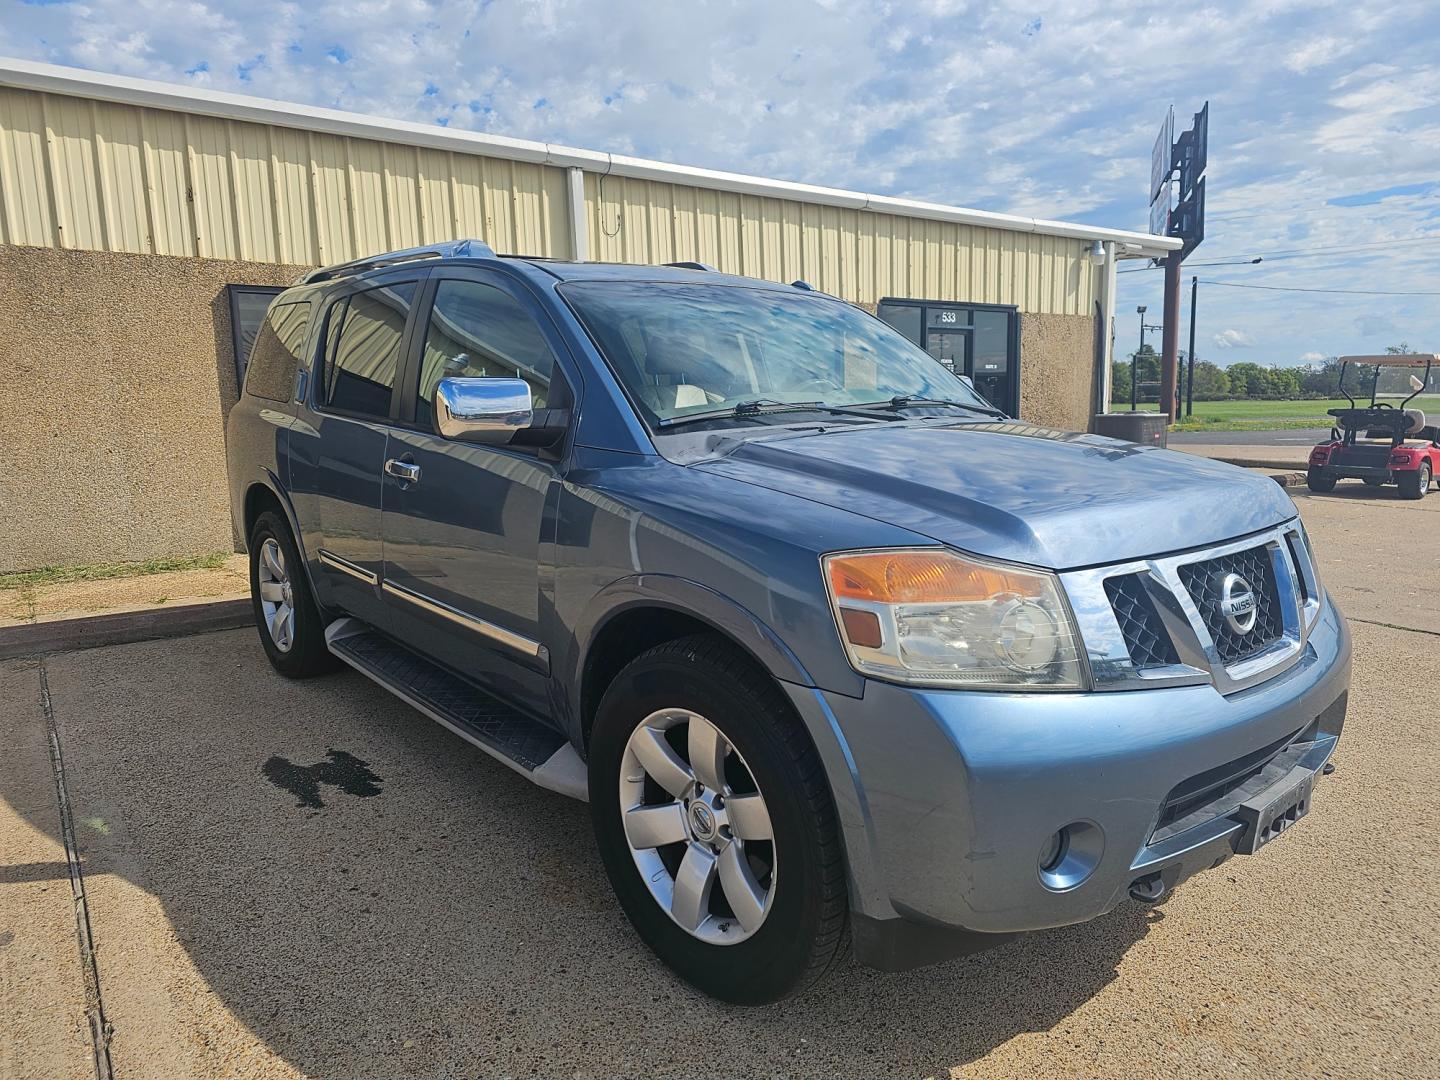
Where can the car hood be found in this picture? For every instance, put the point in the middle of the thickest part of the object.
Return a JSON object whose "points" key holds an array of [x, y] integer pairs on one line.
{"points": [[1016, 491]]}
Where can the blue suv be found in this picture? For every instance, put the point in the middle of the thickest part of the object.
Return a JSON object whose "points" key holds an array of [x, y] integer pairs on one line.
{"points": [[835, 650]]}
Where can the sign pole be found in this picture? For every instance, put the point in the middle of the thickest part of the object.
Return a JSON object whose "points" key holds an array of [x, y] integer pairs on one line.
{"points": [[1190, 378], [1170, 336]]}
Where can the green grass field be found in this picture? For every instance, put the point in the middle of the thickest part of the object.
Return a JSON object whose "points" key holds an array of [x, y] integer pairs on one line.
{"points": [[1269, 415]]}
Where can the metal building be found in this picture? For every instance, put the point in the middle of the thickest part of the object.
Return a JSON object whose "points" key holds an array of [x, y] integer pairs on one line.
{"points": [[118, 192]]}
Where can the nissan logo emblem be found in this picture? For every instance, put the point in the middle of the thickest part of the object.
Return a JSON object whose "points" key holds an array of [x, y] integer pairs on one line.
{"points": [[1238, 604]]}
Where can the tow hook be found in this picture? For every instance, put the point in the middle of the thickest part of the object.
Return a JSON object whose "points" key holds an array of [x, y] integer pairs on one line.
{"points": [[1148, 890]]}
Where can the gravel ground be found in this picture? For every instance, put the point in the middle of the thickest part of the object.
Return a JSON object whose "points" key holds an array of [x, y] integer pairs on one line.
{"points": [[458, 923]]}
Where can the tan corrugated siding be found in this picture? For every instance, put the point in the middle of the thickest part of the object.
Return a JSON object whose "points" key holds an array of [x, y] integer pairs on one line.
{"points": [[84, 174], [76, 173], [855, 254]]}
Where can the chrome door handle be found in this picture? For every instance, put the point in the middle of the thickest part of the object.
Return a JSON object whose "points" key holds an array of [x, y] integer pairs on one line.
{"points": [[407, 472]]}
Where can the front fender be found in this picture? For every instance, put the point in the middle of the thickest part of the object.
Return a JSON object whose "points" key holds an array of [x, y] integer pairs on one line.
{"points": [[689, 598]]}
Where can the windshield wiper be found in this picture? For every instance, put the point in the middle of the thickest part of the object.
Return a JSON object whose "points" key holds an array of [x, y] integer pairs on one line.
{"points": [[902, 402], [764, 407]]}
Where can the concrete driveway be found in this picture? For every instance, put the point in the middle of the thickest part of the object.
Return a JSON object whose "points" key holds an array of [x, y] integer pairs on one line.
{"points": [[412, 908]]}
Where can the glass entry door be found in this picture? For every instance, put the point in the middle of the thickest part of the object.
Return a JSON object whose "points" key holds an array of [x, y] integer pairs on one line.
{"points": [[951, 348], [978, 340]]}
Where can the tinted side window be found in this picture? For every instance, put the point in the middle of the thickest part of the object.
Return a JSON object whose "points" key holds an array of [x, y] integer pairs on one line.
{"points": [[360, 374], [478, 331], [276, 353]]}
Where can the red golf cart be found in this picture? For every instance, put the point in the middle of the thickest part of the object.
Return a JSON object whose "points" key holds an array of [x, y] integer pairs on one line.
{"points": [[1380, 442]]}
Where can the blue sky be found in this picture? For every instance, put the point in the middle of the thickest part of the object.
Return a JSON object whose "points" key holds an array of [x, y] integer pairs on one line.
{"points": [[1325, 117]]}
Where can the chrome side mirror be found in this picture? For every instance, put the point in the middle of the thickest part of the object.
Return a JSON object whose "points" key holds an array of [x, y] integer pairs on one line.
{"points": [[486, 411]]}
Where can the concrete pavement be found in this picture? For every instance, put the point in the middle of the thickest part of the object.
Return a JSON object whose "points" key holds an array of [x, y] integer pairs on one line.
{"points": [[458, 923]]}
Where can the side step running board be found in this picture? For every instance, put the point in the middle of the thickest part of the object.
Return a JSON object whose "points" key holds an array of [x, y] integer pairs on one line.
{"points": [[540, 754]]}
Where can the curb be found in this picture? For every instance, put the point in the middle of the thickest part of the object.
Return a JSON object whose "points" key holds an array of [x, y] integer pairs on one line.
{"points": [[66, 635], [1289, 479], [1288, 465]]}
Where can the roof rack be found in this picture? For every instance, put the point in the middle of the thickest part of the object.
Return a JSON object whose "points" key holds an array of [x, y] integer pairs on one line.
{"points": [[691, 265], [452, 249]]}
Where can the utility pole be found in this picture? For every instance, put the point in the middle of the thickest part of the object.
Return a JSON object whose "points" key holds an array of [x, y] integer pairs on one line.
{"points": [[1170, 336], [1135, 360], [1190, 378]]}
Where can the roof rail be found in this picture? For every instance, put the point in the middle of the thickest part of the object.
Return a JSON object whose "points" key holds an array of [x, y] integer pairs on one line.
{"points": [[451, 249], [691, 265]]}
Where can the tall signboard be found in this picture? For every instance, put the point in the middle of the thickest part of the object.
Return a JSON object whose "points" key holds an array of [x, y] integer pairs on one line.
{"points": [[1177, 162], [1183, 158], [1161, 169]]}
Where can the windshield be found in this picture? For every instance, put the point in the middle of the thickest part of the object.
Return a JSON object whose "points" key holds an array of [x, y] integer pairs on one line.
{"points": [[684, 349]]}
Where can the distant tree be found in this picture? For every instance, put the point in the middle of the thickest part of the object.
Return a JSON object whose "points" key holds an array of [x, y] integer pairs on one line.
{"points": [[1247, 380], [1119, 383], [1212, 383], [1322, 380], [1284, 383]]}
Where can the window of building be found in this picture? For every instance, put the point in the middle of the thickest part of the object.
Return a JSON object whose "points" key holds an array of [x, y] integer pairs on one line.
{"points": [[275, 355], [477, 331], [248, 304], [365, 350]]}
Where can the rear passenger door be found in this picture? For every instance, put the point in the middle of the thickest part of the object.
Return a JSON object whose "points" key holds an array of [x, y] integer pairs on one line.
{"points": [[462, 539], [338, 468]]}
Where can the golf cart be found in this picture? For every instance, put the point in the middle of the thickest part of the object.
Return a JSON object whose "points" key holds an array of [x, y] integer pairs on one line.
{"points": [[1380, 442]]}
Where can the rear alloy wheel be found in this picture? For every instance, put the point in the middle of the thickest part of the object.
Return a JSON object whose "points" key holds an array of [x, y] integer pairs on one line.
{"points": [[715, 822], [1414, 484], [1317, 479], [291, 627]]}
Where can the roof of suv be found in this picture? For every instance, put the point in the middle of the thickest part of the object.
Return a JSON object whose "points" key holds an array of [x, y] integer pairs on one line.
{"points": [[475, 252]]}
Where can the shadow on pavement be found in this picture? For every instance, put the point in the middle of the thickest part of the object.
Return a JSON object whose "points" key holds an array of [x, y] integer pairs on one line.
{"points": [[456, 921]]}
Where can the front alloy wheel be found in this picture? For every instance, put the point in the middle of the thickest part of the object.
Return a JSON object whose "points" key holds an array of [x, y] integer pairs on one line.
{"points": [[715, 822], [697, 826]]}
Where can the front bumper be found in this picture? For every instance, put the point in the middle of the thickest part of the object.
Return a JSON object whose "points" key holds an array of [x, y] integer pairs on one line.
{"points": [[956, 794]]}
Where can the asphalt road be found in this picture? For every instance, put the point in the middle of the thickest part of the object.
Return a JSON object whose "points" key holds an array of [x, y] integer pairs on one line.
{"points": [[436, 916], [1283, 437]]}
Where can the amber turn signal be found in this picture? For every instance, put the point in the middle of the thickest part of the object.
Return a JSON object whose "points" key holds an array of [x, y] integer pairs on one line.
{"points": [[922, 577]]}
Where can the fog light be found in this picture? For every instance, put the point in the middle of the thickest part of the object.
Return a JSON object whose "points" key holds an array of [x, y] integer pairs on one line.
{"points": [[1053, 852], [1071, 855]]}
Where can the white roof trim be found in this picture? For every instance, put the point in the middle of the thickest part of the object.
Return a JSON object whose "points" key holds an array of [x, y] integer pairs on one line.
{"points": [[52, 79]]}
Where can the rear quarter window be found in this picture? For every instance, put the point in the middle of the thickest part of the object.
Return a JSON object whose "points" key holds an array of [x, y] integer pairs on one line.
{"points": [[276, 354]]}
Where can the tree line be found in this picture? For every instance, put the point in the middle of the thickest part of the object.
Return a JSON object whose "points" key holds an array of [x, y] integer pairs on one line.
{"points": [[1247, 380]]}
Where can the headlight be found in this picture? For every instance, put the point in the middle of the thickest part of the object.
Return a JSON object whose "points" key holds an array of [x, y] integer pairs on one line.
{"points": [[931, 617], [1303, 553]]}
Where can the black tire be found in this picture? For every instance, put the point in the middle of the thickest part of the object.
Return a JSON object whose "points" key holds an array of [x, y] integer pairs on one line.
{"points": [[1317, 479], [805, 926], [307, 655], [1374, 482], [1414, 484]]}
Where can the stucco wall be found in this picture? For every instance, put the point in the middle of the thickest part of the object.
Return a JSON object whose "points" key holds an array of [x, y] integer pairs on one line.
{"points": [[115, 372], [1057, 370]]}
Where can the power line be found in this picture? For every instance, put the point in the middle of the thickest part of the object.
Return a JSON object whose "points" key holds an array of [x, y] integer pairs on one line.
{"points": [[1339, 292], [1305, 253]]}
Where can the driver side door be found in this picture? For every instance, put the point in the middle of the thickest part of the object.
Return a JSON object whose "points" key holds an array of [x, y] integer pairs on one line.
{"points": [[464, 523]]}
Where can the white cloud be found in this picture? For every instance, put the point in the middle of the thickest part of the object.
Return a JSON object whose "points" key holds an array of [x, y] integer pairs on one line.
{"points": [[948, 101], [1230, 339], [1313, 358]]}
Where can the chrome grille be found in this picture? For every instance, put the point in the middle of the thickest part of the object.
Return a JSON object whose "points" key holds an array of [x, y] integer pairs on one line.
{"points": [[1145, 637], [1157, 622], [1255, 565]]}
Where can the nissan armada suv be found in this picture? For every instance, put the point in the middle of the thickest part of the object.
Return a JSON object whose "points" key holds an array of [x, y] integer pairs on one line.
{"points": [[828, 642]]}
